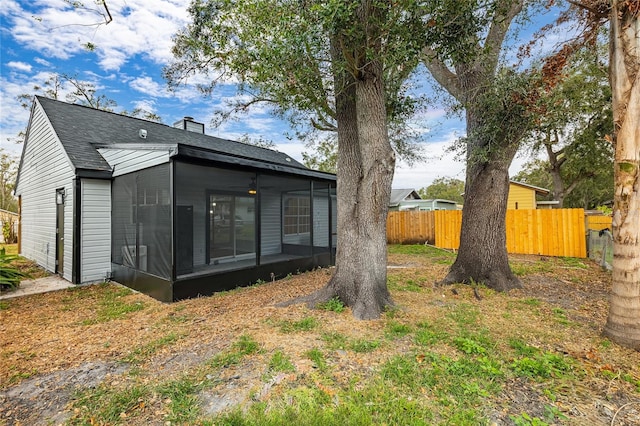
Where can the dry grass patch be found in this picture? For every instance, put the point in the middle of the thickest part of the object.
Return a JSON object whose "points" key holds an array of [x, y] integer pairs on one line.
{"points": [[441, 356]]}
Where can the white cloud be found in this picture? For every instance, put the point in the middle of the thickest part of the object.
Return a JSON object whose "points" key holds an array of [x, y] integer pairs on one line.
{"points": [[139, 27], [20, 66], [148, 86], [42, 62]]}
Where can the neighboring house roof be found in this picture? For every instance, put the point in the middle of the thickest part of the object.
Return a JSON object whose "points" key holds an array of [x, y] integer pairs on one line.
{"points": [[82, 130], [541, 191], [398, 195]]}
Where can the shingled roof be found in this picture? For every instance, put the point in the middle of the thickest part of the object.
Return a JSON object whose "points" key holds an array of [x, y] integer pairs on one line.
{"points": [[82, 130]]}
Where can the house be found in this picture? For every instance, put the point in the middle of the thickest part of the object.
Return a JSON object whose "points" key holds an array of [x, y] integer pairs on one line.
{"points": [[427, 205], [168, 211], [399, 196], [523, 197], [409, 199]]}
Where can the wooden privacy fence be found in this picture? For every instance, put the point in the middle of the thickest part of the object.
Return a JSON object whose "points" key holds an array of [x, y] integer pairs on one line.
{"points": [[554, 232], [598, 223], [411, 227]]}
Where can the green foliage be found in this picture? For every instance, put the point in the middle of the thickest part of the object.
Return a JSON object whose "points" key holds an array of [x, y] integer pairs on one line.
{"points": [[395, 329], [444, 188], [244, 346], [144, 352], [9, 275], [542, 366], [335, 341], [334, 304], [363, 345], [573, 131], [305, 324], [428, 334], [111, 406], [313, 406], [551, 415], [113, 306], [521, 269], [317, 357], [183, 401], [8, 173], [280, 54], [324, 155], [280, 363], [522, 348]]}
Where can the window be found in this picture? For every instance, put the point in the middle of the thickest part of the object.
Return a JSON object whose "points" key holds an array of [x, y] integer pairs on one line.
{"points": [[296, 215]]}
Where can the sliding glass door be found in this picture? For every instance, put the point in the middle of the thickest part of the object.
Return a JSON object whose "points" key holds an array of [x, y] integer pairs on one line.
{"points": [[231, 228]]}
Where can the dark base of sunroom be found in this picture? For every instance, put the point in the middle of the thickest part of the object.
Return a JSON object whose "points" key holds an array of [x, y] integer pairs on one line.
{"points": [[210, 281]]}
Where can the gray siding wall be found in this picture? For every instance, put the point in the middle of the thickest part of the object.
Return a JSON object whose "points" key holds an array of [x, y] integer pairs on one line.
{"points": [[320, 221], [271, 225], [126, 161], [95, 226], [45, 168]]}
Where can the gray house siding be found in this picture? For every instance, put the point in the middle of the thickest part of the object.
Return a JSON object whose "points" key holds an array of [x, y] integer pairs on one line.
{"points": [[95, 228], [271, 222], [320, 221], [45, 168]]}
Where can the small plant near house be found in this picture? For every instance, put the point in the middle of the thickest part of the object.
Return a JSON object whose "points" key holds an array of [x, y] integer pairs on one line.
{"points": [[9, 275]]}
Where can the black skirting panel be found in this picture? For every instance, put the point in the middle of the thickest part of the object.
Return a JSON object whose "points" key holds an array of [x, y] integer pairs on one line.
{"points": [[156, 287], [164, 291], [208, 285]]}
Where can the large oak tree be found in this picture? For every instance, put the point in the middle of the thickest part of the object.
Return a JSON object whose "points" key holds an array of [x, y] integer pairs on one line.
{"points": [[339, 64], [463, 51]]}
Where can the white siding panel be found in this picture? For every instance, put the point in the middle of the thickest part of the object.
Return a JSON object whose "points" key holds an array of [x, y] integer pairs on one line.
{"points": [[126, 161], [45, 168], [95, 228]]}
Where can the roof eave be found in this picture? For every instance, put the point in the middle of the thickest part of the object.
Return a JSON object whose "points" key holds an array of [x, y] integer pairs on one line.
{"points": [[189, 152]]}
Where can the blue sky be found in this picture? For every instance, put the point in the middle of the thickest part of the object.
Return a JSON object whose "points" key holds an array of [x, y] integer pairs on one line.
{"points": [[40, 37]]}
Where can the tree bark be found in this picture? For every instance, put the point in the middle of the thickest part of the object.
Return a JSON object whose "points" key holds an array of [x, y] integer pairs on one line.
{"points": [[623, 323], [366, 163], [482, 256]]}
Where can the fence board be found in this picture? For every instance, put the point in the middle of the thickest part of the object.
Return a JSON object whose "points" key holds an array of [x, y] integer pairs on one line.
{"points": [[411, 227], [598, 223], [555, 232]]}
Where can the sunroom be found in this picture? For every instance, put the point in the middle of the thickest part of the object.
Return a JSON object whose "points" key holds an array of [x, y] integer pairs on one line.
{"points": [[186, 228]]}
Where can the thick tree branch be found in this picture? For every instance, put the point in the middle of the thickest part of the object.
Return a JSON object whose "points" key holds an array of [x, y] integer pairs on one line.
{"points": [[507, 10], [443, 75]]}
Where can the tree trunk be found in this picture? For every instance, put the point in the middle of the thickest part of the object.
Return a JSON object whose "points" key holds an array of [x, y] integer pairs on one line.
{"points": [[482, 257], [360, 279], [554, 171], [366, 163], [623, 324]]}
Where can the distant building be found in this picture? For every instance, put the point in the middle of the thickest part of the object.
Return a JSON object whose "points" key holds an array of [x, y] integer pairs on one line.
{"points": [[409, 199], [522, 196]]}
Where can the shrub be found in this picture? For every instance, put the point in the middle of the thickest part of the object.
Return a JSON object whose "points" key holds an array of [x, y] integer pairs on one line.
{"points": [[9, 276]]}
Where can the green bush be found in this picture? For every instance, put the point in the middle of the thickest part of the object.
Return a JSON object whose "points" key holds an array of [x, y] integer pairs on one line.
{"points": [[9, 276]]}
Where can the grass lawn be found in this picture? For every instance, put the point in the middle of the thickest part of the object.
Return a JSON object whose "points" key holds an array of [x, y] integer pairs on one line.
{"points": [[103, 354]]}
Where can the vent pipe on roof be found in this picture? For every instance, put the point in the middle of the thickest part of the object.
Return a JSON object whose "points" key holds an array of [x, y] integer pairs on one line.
{"points": [[187, 123]]}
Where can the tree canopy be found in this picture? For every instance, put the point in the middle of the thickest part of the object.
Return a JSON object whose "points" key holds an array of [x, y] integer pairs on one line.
{"points": [[444, 188]]}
